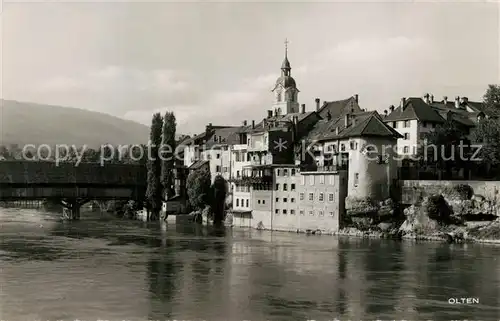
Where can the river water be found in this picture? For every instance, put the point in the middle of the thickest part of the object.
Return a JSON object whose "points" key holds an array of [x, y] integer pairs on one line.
{"points": [[102, 268]]}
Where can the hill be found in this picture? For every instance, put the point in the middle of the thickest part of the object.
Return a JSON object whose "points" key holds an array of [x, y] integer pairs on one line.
{"points": [[29, 123]]}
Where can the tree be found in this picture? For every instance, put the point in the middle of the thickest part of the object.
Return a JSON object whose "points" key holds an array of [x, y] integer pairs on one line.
{"points": [[90, 155], [219, 197], [154, 190], [443, 147], [198, 188], [168, 145], [4, 152], [487, 135], [491, 100]]}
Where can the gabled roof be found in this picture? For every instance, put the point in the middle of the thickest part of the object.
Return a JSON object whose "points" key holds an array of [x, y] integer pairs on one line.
{"points": [[339, 108], [260, 128], [415, 108], [224, 136], [198, 164], [365, 124]]}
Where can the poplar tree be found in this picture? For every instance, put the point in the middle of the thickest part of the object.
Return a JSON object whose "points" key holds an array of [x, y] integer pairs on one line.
{"points": [[154, 190], [168, 154]]}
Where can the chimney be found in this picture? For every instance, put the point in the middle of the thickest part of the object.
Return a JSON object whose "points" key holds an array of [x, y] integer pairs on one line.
{"points": [[385, 113], [317, 103], [457, 102], [253, 124], [356, 97], [403, 102], [464, 100], [432, 99], [426, 98], [303, 111], [276, 112], [346, 120], [269, 113], [445, 100], [391, 108], [244, 123], [336, 131]]}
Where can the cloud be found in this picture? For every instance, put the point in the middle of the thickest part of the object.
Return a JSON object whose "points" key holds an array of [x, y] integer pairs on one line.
{"points": [[116, 80], [356, 66], [372, 67]]}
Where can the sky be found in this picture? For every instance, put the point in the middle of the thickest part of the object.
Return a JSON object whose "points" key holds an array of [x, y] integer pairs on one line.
{"points": [[217, 62]]}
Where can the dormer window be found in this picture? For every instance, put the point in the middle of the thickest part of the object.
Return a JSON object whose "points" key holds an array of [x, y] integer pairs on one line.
{"points": [[215, 138]]}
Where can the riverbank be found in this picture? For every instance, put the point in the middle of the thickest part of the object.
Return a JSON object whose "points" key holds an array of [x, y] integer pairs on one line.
{"points": [[487, 234]]}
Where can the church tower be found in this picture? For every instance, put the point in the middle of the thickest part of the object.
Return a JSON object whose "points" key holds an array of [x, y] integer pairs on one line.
{"points": [[285, 90]]}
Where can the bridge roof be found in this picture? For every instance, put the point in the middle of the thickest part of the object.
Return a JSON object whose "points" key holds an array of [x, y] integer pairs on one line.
{"points": [[32, 172]]}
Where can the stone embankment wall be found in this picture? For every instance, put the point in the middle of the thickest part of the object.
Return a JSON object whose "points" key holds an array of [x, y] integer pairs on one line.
{"points": [[413, 190]]}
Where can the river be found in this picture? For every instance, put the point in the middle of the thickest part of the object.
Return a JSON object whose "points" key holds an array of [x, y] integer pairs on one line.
{"points": [[103, 268]]}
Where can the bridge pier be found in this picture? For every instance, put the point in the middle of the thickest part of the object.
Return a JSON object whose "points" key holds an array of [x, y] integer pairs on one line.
{"points": [[72, 208]]}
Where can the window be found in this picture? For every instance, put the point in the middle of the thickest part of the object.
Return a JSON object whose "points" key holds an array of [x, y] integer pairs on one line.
{"points": [[320, 213], [277, 199], [246, 203], [277, 187], [322, 179], [394, 124], [321, 198], [292, 200], [356, 179], [263, 201], [278, 172], [330, 197], [215, 138], [293, 171], [303, 180], [406, 149], [407, 123], [258, 202], [237, 173], [277, 211], [407, 136], [218, 156], [237, 202], [342, 147], [278, 97], [285, 172], [292, 212], [292, 187], [311, 180], [284, 212], [301, 196], [353, 145], [331, 214], [285, 187], [332, 179], [301, 212], [285, 200], [217, 168], [311, 196], [311, 213], [424, 124]]}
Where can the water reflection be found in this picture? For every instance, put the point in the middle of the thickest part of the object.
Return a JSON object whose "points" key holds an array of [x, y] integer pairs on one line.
{"points": [[103, 268]]}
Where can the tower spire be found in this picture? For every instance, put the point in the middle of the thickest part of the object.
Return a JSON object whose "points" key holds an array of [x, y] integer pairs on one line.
{"points": [[286, 47]]}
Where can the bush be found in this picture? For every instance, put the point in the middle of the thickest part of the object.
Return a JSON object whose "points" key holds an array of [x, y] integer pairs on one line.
{"points": [[438, 209], [464, 191]]}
